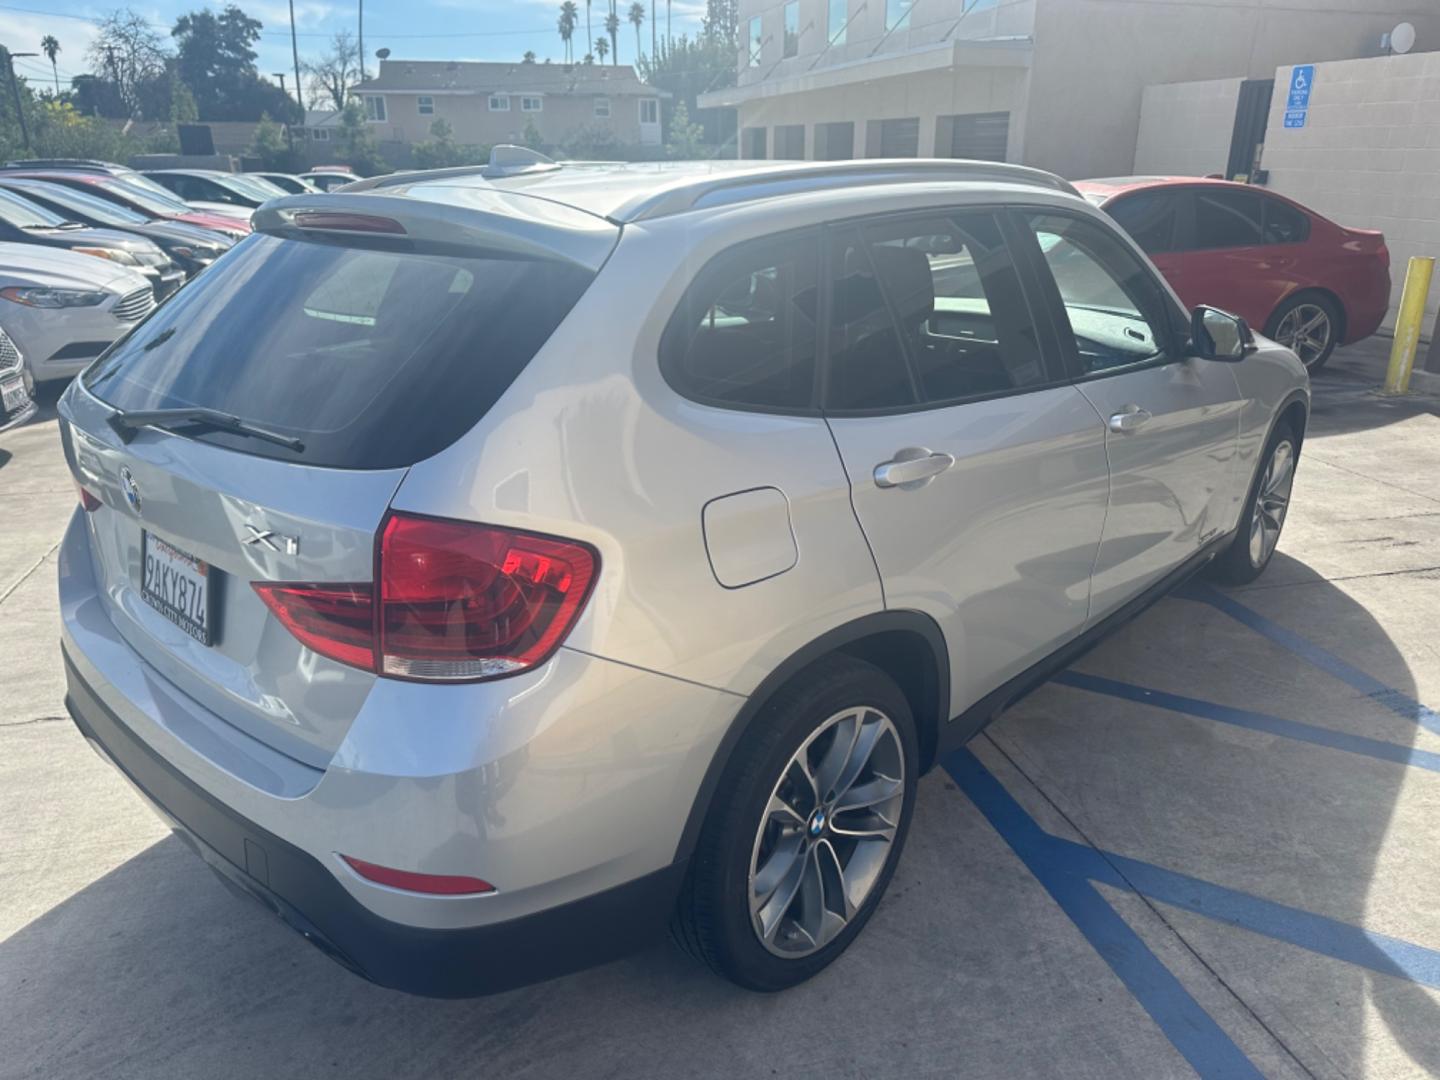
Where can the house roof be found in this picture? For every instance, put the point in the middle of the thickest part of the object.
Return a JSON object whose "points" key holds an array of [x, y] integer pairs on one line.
{"points": [[321, 117], [473, 77]]}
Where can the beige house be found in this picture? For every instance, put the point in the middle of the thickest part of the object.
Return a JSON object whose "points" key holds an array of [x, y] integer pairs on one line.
{"points": [[1053, 83], [487, 103]]}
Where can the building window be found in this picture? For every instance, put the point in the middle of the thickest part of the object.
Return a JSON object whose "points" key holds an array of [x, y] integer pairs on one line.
{"points": [[602, 108], [425, 106], [756, 42], [320, 134], [790, 142], [835, 142], [792, 28], [752, 143], [649, 111], [897, 138], [374, 109], [499, 103], [531, 104], [839, 19], [983, 136], [897, 14]]}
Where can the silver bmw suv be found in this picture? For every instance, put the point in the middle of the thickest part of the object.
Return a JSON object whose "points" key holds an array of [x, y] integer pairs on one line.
{"points": [[489, 568]]}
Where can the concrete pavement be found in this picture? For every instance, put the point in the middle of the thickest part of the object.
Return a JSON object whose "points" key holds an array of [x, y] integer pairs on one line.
{"points": [[1209, 849]]}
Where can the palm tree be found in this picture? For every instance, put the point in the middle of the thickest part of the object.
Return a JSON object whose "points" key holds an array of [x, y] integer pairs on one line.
{"points": [[569, 15], [589, 39], [636, 17], [612, 27], [601, 48], [51, 48], [654, 45], [669, 39]]}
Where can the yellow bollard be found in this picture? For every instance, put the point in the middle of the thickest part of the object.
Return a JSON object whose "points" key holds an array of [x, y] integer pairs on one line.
{"points": [[1407, 324]]}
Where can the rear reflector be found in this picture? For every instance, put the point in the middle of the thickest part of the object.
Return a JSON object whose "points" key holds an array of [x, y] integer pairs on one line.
{"points": [[457, 602], [434, 884], [88, 502], [331, 219]]}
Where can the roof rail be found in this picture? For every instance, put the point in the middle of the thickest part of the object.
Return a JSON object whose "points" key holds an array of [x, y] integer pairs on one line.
{"points": [[720, 189], [78, 164], [506, 159]]}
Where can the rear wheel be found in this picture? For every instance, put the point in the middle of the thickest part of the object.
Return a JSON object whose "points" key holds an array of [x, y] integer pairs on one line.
{"points": [[1264, 515], [1309, 326], [805, 830]]}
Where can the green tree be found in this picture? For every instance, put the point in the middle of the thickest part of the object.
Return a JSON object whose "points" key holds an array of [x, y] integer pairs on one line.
{"points": [[358, 142], [216, 60], [531, 135], [566, 24], [601, 48], [51, 48], [612, 27], [270, 144], [636, 17], [684, 140], [529, 57], [183, 109]]}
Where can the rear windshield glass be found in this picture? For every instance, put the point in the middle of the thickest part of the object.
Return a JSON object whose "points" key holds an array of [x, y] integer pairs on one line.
{"points": [[372, 358]]}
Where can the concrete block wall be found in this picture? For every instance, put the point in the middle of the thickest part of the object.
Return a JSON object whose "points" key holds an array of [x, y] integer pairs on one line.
{"points": [[1185, 128], [1369, 154]]}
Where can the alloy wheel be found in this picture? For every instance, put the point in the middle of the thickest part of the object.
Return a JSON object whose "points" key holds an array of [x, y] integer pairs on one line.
{"points": [[1272, 500], [1306, 330], [827, 832]]}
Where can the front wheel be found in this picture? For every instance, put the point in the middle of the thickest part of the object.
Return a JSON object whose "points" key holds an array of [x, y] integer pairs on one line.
{"points": [[1264, 514], [806, 829], [1308, 325]]}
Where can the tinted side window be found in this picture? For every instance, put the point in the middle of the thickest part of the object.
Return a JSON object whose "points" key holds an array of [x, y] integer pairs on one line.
{"points": [[1284, 224], [745, 332], [867, 364], [1117, 313], [1225, 219], [953, 288], [1149, 218]]}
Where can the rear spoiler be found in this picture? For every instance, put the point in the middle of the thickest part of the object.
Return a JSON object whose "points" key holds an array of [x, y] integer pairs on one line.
{"points": [[459, 219]]}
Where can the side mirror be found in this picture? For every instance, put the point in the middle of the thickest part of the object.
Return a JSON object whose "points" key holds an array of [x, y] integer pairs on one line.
{"points": [[1218, 335]]}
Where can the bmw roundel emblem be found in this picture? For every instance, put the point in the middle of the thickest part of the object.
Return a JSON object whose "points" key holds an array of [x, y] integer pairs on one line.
{"points": [[130, 488]]}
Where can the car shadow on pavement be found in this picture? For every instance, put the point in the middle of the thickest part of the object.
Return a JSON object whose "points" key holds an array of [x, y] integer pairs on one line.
{"points": [[1261, 741]]}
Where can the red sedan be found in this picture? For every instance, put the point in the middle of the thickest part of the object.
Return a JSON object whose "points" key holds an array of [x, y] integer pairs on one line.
{"points": [[157, 206], [1299, 278]]}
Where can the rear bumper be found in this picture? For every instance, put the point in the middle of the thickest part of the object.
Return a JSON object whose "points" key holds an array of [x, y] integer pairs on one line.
{"points": [[297, 887]]}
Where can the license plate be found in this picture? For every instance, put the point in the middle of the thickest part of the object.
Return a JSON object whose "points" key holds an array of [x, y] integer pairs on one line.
{"points": [[13, 395], [177, 584]]}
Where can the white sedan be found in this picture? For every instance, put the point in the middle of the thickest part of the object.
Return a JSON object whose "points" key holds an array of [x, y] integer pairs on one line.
{"points": [[64, 309]]}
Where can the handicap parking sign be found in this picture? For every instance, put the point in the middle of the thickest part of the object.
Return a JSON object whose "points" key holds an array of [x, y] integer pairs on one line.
{"points": [[1302, 78]]}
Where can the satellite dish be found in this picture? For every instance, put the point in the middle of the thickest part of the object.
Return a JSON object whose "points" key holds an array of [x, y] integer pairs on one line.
{"points": [[383, 54], [1402, 38]]}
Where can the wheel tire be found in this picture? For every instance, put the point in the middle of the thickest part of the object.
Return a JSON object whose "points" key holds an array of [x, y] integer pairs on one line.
{"points": [[1241, 562], [1298, 311], [713, 919]]}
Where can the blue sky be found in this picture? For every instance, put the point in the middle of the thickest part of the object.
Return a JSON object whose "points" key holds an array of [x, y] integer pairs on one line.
{"points": [[411, 29]]}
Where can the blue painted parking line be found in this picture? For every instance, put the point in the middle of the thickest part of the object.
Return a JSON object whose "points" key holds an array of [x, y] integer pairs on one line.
{"points": [[1392, 699], [1192, 1031], [1255, 721], [1069, 870]]}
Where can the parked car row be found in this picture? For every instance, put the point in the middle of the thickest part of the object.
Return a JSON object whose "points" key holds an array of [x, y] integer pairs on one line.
{"points": [[88, 248]]}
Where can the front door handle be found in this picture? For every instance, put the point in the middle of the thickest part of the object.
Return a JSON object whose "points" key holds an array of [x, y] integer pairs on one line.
{"points": [[911, 468], [1129, 420]]}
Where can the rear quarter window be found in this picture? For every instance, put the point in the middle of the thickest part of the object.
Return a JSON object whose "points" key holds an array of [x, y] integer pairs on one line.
{"points": [[373, 358]]}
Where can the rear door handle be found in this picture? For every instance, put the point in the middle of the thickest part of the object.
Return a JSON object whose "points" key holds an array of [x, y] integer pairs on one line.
{"points": [[911, 467], [1129, 420]]}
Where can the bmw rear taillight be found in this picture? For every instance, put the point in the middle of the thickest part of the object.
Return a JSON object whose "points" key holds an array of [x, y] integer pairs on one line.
{"points": [[89, 502], [456, 601]]}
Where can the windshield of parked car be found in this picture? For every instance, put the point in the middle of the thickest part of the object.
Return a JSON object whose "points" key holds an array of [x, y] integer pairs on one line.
{"points": [[145, 198], [371, 358], [261, 187], [90, 206], [144, 183], [24, 214]]}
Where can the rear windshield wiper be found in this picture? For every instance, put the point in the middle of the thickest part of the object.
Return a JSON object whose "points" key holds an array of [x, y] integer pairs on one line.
{"points": [[127, 423]]}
